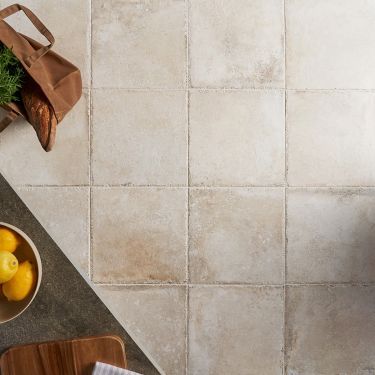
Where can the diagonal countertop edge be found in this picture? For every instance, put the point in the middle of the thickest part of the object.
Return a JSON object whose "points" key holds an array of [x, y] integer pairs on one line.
{"points": [[49, 317]]}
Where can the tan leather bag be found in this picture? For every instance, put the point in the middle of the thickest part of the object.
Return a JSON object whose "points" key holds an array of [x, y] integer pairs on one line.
{"points": [[59, 80]]}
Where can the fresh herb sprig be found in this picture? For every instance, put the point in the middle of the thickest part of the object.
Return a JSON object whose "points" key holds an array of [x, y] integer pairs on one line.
{"points": [[11, 76]]}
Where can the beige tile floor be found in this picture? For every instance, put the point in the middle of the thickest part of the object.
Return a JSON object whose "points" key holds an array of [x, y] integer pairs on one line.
{"points": [[216, 181]]}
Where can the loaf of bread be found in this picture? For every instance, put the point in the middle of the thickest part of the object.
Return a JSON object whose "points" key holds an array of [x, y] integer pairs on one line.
{"points": [[40, 114]]}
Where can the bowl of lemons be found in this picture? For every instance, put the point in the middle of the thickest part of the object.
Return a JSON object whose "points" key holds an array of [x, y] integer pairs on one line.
{"points": [[20, 272]]}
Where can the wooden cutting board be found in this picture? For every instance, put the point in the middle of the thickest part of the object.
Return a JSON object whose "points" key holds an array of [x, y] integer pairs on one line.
{"points": [[70, 357]]}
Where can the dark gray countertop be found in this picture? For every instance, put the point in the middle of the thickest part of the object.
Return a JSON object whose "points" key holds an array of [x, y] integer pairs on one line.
{"points": [[65, 306]]}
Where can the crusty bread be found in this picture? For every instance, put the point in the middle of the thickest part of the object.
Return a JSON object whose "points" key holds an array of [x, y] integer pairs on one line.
{"points": [[40, 114]]}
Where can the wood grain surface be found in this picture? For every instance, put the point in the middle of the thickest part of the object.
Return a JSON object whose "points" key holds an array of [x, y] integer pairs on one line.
{"points": [[69, 357]]}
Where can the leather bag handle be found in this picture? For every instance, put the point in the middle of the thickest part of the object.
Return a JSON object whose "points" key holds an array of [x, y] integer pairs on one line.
{"points": [[7, 120], [11, 9]]}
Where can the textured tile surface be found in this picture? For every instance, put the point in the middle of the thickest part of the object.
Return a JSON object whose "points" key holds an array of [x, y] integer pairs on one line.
{"points": [[139, 234], [69, 226], [331, 138], [139, 43], [156, 316], [65, 306], [72, 42], [235, 330], [236, 235], [328, 44], [24, 162], [330, 330], [190, 93], [139, 138], [331, 235], [229, 50], [235, 139]]}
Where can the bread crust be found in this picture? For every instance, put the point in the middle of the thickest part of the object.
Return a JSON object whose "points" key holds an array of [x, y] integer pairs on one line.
{"points": [[40, 114]]}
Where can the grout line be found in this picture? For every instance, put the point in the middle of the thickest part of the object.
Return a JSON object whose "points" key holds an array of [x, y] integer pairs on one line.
{"points": [[235, 89], [182, 284], [232, 89], [89, 187], [190, 187], [187, 328], [90, 255], [187, 41], [285, 41], [188, 192], [190, 285], [285, 242], [329, 90], [239, 285], [126, 186], [89, 234], [188, 180], [90, 150], [330, 283], [51, 186], [163, 89], [285, 273], [162, 284], [142, 89], [354, 187], [208, 187], [199, 187]]}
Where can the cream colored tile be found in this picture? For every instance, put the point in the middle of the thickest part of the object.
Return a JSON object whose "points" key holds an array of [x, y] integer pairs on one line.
{"points": [[139, 234], [155, 317], [68, 21], [331, 235], [237, 43], [236, 139], [64, 213], [235, 330], [139, 44], [139, 138], [331, 138], [329, 44], [330, 330], [236, 235], [24, 162]]}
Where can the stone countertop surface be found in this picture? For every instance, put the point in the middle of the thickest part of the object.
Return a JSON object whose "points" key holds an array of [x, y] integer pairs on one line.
{"points": [[65, 306]]}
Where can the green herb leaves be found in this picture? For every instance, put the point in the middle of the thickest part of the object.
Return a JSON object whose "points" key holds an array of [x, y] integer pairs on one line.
{"points": [[11, 76]]}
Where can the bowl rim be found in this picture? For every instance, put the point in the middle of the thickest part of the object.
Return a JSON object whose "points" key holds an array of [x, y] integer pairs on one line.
{"points": [[38, 262]]}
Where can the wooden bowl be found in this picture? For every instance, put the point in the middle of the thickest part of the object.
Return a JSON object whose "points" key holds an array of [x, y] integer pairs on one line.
{"points": [[25, 251]]}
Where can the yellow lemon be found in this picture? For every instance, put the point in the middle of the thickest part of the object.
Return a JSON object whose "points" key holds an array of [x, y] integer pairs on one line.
{"points": [[8, 266], [8, 240], [22, 283]]}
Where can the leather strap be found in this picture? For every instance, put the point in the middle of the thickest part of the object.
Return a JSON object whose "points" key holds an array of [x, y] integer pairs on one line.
{"points": [[11, 9], [7, 120]]}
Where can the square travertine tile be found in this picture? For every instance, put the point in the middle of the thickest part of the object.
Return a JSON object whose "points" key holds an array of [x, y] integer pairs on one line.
{"points": [[236, 330], [139, 44], [236, 235], [68, 21], [155, 316], [329, 44], [237, 138], [331, 235], [331, 138], [24, 162], [237, 43], [139, 137], [64, 213], [139, 234], [330, 330]]}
